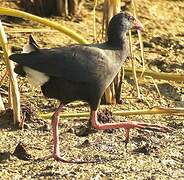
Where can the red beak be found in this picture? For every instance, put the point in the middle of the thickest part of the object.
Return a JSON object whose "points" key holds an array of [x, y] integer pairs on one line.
{"points": [[138, 25]]}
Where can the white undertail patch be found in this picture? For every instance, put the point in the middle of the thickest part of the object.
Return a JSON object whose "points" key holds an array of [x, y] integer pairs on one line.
{"points": [[28, 48], [35, 78]]}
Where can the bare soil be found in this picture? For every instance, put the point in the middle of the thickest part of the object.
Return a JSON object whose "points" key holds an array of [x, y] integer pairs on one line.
{"points": [[149, 155]]}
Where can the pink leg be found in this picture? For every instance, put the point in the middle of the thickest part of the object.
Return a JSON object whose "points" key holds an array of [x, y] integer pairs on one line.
{"points": [[55, 123], [56, 152], [126, 125]]}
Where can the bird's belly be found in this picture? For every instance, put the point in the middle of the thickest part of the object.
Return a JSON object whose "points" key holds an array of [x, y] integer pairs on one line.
{"points": [[68, 91], [35, 78]]}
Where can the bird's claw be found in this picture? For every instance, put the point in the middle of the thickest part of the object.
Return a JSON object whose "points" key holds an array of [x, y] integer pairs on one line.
{"points": [[60, 159], [148, 126], [57, 157], [155, 127], [144, 126]]}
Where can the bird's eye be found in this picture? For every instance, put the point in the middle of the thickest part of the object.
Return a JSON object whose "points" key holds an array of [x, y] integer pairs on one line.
{"points": [[131, 18]]}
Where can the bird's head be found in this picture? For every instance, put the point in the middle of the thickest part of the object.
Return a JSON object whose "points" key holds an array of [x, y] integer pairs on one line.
{"points": [[120, 24]]}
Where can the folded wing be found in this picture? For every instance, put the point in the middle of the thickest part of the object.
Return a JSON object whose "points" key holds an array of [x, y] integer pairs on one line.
{"points": [[77, 63]]}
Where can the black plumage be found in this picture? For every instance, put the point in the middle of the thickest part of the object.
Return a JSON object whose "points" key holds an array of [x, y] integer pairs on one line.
{"points": [[80, 72]]}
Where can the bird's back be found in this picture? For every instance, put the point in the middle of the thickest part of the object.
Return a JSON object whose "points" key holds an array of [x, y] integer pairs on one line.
{"points": [[76, 63], [79, 72]]}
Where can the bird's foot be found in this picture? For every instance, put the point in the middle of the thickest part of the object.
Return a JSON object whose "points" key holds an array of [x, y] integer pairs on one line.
{"points": [[143, 126], [147, 126], [58, 158]]}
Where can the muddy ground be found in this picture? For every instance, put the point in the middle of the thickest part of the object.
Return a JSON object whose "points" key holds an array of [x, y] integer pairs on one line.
{"points": [[149, 155]]}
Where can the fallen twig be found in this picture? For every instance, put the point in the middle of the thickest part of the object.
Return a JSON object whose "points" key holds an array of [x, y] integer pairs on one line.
{"points": [[154, 110], [30, 30], [59, 27], [157, 75]]}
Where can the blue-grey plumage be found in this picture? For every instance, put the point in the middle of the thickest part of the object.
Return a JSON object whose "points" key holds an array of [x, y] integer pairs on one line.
{"points": [[80, 72], [86, 70]]}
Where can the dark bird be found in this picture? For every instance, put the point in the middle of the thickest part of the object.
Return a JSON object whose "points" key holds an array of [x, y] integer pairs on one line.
{"points": [[79, 72]]}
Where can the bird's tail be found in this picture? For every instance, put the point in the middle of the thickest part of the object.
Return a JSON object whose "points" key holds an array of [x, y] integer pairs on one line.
{"points": [[30, 46]]}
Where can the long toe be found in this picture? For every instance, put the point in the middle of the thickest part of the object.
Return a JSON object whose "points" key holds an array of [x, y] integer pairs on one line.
{"points": [[144, 126], [155, 127], [60, 159]]}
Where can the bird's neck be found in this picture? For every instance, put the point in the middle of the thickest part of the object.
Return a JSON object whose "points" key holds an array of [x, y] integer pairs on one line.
{"points": [[117, 41], [120, 48]]}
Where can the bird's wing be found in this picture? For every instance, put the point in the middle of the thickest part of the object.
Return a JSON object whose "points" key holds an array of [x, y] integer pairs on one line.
{"points": [[77, 63]]}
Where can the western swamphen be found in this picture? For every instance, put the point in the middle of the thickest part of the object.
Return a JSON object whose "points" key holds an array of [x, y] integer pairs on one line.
{"points": [[79, 72]]}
